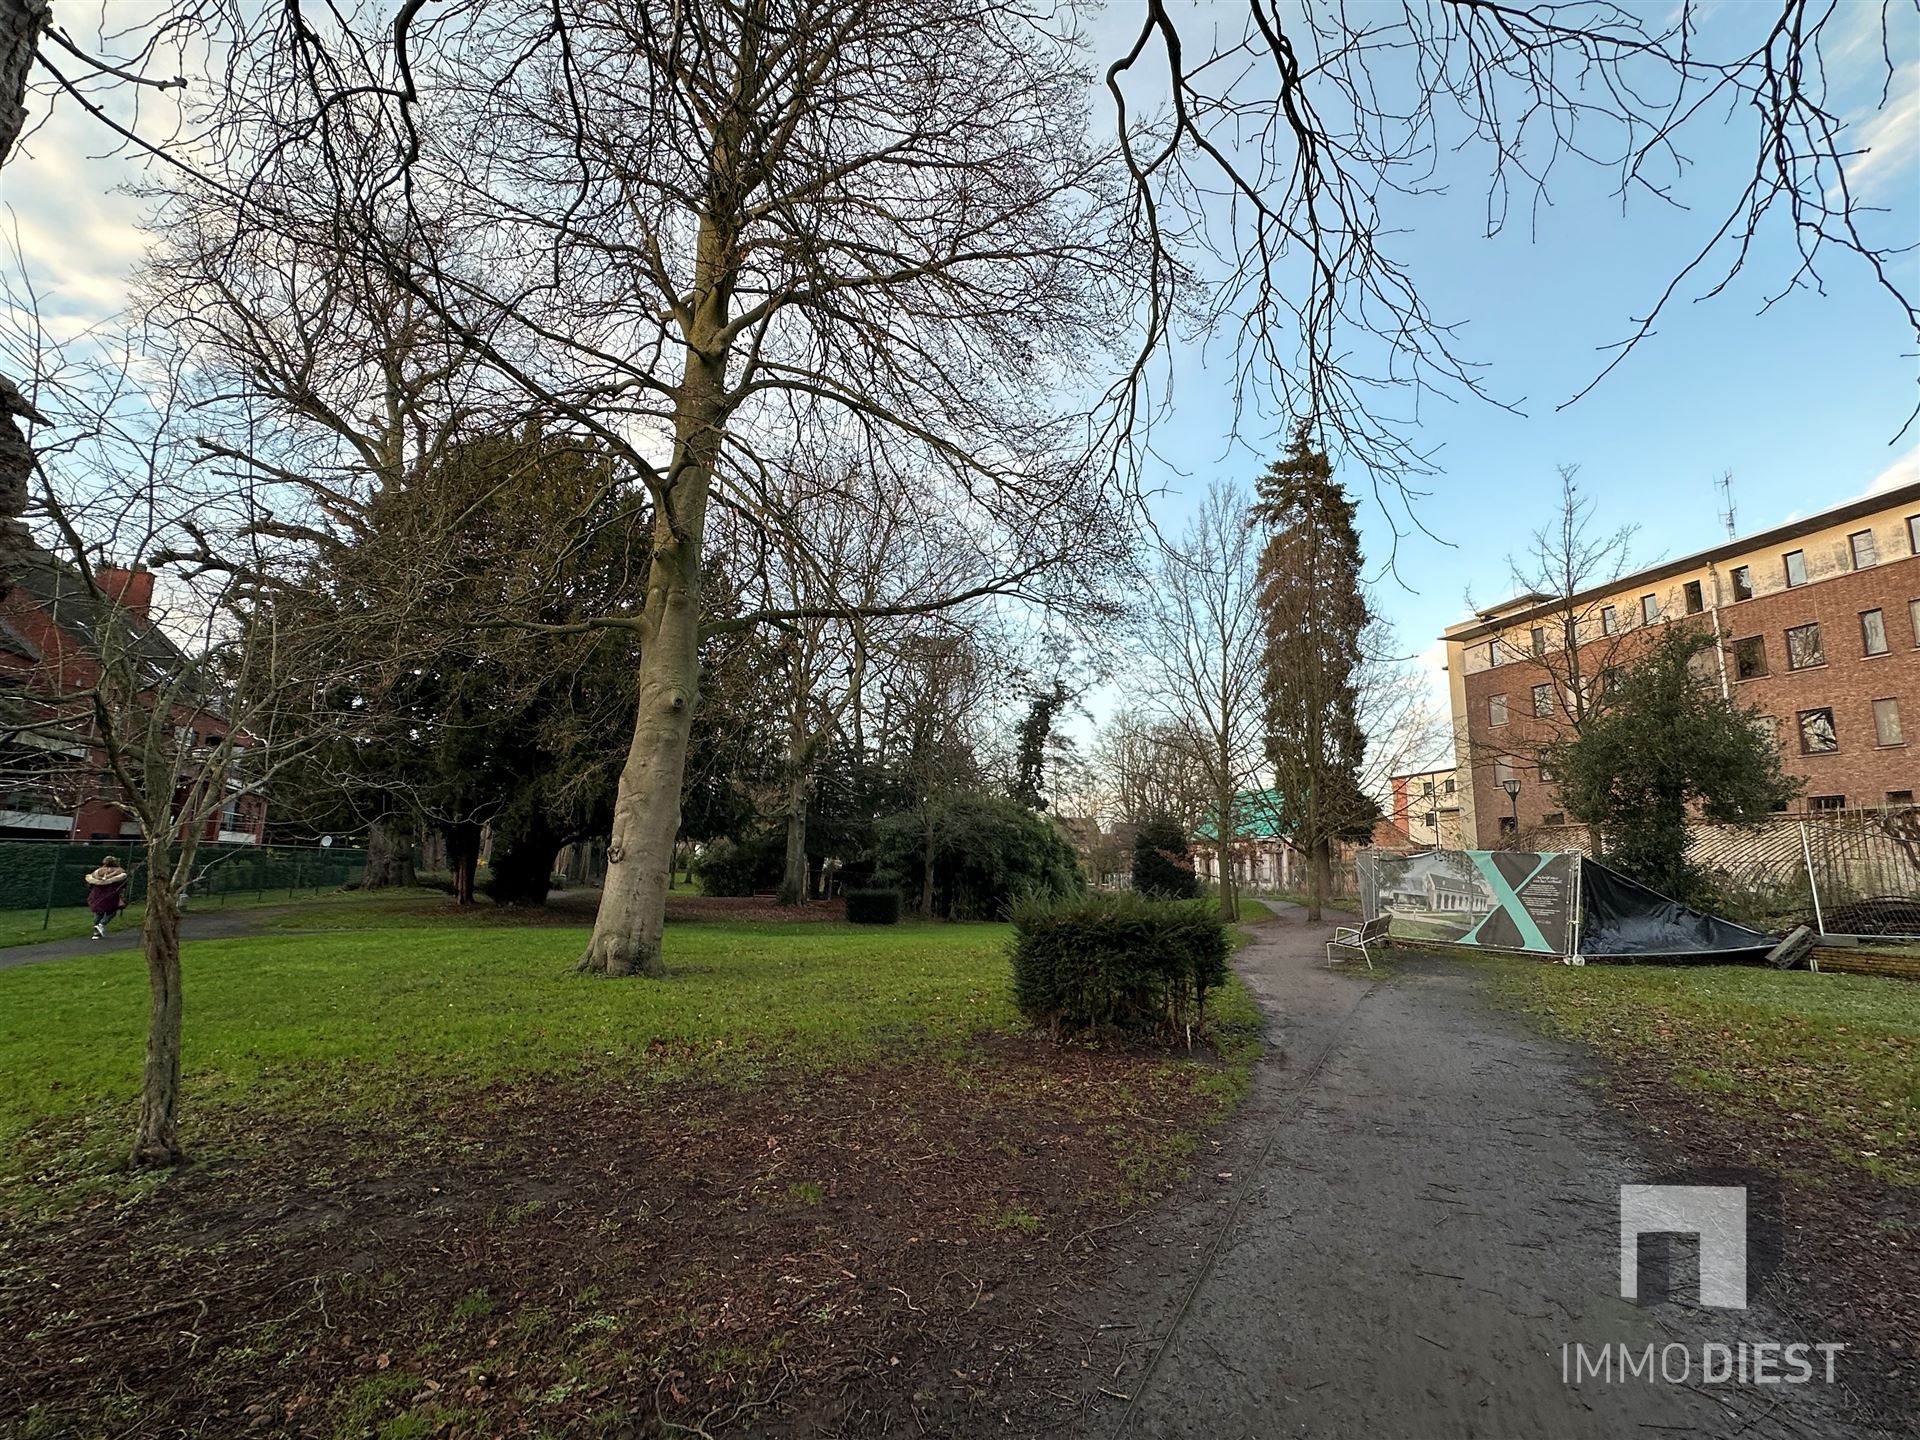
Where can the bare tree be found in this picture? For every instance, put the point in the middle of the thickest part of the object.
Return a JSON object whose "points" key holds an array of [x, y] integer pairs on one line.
{"points": [[1202, 640], [165, 696]]}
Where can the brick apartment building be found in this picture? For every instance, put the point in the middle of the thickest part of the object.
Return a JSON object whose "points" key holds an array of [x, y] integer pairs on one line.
{"points": [[54, 782], [1818, 623]]}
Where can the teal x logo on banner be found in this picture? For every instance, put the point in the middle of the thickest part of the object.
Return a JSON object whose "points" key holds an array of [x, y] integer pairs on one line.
{"points": [[1507, 898]]}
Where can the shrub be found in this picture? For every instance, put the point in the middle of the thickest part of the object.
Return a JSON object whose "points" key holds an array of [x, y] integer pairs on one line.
{"points": [[1163, 863], [986, 852], [1120, 960], [741, 867], [873, 907]]}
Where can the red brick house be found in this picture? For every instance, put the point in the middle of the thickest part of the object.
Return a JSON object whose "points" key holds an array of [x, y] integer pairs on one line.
{"points": [[54, 780]]}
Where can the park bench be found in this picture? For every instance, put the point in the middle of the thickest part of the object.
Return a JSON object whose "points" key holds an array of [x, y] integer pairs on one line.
{"points": [[1362, 937]]}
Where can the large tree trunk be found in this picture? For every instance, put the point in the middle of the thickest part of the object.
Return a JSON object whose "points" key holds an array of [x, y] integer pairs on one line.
{"points": [[1229, 899], [646, 811], [1319, 872], [463, 858], [389, 856], [793, 879], [156, 1139]]}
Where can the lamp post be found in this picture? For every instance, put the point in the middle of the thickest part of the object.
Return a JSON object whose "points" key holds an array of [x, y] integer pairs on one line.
{"points": [[1512, 786]]}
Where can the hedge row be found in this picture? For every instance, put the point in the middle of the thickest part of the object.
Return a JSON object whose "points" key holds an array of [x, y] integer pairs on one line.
{"points": [[1117, 960]]}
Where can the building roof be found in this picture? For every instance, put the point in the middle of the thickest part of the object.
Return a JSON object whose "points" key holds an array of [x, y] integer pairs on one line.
{"points": [[62, 592], [1522, 608], [1258, 815]]}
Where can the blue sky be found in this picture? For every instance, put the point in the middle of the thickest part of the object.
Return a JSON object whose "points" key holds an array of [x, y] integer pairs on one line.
{"points": [[1801, 403]]}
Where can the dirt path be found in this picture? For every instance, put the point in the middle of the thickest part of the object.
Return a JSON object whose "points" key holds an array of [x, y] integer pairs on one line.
{"points": [[194, 925], [1427, 1211]]}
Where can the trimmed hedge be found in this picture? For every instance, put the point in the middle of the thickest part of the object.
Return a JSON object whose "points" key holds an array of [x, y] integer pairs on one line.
{"points": [[873, 907], [1117, 960]]}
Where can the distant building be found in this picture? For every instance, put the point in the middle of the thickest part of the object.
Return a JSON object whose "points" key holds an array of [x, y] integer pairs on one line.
{"points": [[54, 780], [1817, 623], [1425, 806]]}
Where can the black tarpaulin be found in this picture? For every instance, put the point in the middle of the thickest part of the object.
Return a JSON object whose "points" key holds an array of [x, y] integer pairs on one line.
{"points": [[1621, 917]]}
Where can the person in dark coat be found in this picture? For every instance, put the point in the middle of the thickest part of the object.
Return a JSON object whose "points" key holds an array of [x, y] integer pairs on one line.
{"points": [[106, 894]]}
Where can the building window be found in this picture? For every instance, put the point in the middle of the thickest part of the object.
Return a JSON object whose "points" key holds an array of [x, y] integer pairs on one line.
{"points": [[1873, 632], [1493, 653], [1742, 583], [1610, 619], [1913, 619], [1508, 825], [1817, 736], [1649, 609], [1826, 802], [1861, 543], [1886, 723], [1695, 603], [1502, 772], [1539, 641], [1803, 647], [1796, 567], [1750, 658], [1449, 784], [1543, 700], [1496, 710], [1913, 533], [1555, 817], [1899, 797]]}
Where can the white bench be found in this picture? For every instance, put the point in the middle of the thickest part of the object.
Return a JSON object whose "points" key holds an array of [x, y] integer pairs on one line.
{"points": [[1362, 937]]}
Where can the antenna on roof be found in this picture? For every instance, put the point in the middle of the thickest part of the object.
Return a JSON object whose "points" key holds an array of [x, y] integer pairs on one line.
{"points": [[1725, 485]]}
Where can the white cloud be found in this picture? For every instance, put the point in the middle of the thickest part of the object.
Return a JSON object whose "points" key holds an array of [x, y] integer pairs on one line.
{"points": [[1889, 137], [1904, 471]]}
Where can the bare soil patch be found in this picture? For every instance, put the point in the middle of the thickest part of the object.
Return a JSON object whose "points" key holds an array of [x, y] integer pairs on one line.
{"points": [[878, 1252], [1851, 1263]]}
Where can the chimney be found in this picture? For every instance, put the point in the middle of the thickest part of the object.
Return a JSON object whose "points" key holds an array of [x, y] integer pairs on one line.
{"points": [[132, 588]]}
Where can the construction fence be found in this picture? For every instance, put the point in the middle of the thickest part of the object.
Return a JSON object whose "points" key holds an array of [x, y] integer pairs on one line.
{"points": [[1842, 872], [51, 874]]}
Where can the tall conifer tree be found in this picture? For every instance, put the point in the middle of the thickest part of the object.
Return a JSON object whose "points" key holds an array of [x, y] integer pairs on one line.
{"points": [[1315, 616]]}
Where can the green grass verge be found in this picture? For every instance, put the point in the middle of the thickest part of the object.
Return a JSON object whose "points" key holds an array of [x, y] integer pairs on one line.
{"points": [[349, 1019], [1834, 1059]]}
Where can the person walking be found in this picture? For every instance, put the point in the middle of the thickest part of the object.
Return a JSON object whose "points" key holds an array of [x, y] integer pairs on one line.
{"points": [[106, 894]]}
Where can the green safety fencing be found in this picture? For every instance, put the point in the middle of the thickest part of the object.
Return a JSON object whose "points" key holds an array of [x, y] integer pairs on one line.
{"points": [[38, 874]]}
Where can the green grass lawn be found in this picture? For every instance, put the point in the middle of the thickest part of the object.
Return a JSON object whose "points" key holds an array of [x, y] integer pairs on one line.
{"points": [[1834, 1059], [353, 1018]]}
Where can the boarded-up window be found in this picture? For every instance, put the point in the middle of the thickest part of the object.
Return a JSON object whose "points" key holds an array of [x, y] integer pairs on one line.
{"points": [[1873, 632], [1803, 647], [1750, 658], [1886, 723], [1817, 736]]}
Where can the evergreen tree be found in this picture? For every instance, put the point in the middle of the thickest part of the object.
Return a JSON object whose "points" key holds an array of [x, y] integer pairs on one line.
{"points": [[1315, 617], [1663, 743], [1163, 862]]}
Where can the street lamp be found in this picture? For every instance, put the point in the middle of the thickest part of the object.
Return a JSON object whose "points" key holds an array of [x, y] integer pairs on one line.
{"points": [[1512, 786]]}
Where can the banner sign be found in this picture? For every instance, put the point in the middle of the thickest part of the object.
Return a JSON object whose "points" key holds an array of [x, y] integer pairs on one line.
{"points": [[1495, 899]]}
